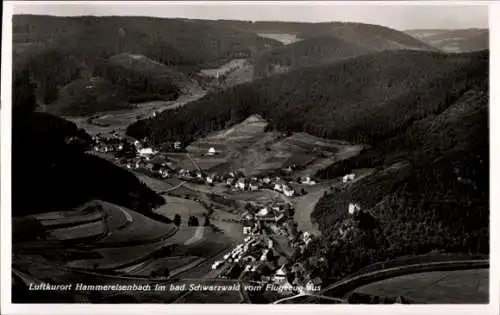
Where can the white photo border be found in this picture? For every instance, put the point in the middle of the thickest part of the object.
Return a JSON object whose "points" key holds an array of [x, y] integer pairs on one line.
{"points": [[5, 198]]}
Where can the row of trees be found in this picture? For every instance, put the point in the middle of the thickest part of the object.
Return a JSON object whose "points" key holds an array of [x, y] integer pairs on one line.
{"points": [[192, 220]]}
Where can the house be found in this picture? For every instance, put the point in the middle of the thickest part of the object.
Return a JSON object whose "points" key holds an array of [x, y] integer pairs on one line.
{"points": [[177, 145], [211, 151], [210, 179], [254, 186], [247, 230], [145, 152], [288, 191], [278, 187], [281, 275], [353, 208], [264, 256], [348, 177], [137, 144], [217, 264], [266, 180], [240, 184], [164, 173], [306, 236], [263, 212], [307, 181]]}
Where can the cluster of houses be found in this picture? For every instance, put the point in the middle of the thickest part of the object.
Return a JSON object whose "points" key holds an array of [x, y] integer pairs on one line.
{"points": [[278, 184], [255, 216], [256, 257], [107, 144], [143, 158], [239, 182]]}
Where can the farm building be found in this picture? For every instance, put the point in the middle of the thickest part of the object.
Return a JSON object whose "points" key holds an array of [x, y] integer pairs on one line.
{"points": [[240, 184], [307, 181], [211, 151], [146, 152], [263, 212], [254, 186], [348, 177], [353, 208], [288, 191]]}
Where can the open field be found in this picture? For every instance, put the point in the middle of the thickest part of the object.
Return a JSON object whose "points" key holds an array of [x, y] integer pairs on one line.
{"points": [[224, 69], [53, 219], [281, 37], [225, 221], [439, 287], [185, 190], [247, 147], [82, 231], [145, 268], [139, 228], [116, 257], [158, 185], [184, 207], [260, 196], [418, 259]]}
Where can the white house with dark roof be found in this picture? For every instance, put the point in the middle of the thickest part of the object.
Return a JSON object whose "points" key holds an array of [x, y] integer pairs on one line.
{"points": [[211, 151], [240, 184], [353, 208], [348, 177]]}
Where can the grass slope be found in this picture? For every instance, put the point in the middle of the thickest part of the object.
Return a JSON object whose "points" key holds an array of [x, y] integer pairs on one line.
{"points": [[461, 40]]}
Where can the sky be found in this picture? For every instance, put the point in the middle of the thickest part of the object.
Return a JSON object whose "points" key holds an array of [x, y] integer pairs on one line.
{"points": [[400, 16]]}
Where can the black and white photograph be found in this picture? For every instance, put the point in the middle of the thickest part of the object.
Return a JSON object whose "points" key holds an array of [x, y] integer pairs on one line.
{"points": [[249, 153]]}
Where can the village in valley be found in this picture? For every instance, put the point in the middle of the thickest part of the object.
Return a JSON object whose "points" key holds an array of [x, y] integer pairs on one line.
{"points": [[274, 250], [245, 161]]}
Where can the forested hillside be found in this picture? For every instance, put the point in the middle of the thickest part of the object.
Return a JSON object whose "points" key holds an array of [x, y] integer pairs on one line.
{"points": [[59, 50], [308, 52], [431, 190], [50, 170], [323, 43], [370, 36], [365, 99]]}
